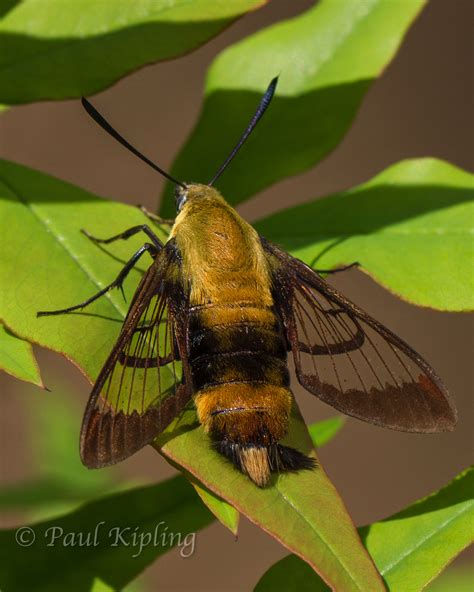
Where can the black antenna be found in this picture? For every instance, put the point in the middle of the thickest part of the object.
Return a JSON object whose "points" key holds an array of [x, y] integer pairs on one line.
{"points": [[267, 97], [97, 117]]}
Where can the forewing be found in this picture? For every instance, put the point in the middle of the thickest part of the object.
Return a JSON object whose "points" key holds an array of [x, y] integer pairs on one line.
{"points": [[352, 362], [140, 388]]}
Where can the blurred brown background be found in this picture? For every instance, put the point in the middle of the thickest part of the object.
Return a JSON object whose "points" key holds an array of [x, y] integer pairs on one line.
{"points": [[422, 105]]}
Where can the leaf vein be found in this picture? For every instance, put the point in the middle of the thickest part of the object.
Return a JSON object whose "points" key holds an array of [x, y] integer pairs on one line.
{"points": [[423, 540], [321, 538]]}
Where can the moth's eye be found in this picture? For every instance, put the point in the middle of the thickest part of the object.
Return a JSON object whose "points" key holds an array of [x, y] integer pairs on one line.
{"points": [[180, 197], [181, 201]]}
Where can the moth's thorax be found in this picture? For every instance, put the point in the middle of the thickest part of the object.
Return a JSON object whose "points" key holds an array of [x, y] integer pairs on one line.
{"points": [[222, 257]]}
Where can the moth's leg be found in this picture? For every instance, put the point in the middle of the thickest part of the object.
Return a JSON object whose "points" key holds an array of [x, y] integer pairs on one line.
{"points": [[127, 234], [117, 283], [345, 268], [154, 217]]}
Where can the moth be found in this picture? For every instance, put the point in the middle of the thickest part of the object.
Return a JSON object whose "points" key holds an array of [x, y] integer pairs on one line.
{"points": [[214, 319]]}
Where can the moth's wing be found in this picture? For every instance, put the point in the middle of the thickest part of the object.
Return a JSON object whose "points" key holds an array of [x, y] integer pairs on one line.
{"points": [[141, 388], [351, 361]]}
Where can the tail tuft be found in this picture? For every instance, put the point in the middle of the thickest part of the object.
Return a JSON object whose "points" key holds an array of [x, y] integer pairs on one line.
{"points": [[258, 462], [291, 459]]}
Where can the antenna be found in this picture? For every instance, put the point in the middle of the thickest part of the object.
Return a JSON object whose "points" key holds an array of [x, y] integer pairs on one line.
{"points": [[262, 107], [104, 124]]}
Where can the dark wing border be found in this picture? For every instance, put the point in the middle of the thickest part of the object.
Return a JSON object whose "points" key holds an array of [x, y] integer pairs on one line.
{"points": [[291, 275], [108, 437]]}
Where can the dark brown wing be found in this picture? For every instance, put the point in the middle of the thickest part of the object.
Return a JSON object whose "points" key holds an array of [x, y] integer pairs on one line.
{"points": [[352, 362], [140, 388]]}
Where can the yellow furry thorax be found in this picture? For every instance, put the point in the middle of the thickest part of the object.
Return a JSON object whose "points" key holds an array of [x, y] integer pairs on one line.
{"points": [[222, 257]]}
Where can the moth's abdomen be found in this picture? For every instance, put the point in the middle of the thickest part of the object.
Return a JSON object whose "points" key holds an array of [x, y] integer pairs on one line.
{"points": [[240, 376], [236, 343]]}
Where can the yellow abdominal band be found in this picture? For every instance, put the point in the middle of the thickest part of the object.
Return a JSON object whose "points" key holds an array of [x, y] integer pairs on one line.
{"points": [[245, 412]]}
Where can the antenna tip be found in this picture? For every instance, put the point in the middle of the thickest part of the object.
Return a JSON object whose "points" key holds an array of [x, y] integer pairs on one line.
{"points": [[273, 83], [271, 89], [87, 106]]}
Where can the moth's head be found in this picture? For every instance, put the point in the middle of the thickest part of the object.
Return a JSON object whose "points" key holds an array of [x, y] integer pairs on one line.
{"points": [[191, 193]]}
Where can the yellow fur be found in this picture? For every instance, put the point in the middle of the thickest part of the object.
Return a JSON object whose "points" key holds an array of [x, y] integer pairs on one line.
{"points": [[223, 259], [230, 315], [255, 406]]}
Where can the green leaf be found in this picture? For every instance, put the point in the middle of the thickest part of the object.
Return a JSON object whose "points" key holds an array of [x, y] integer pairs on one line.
{"points": [[324, 431], [99, 586], [303, 511], [290, 573], [410, 228], [410, 548], [227, 515], [326, 59], [17, 358], [57, 266], [169, 508], [70, 49], [424, 537], [48, 263]]}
